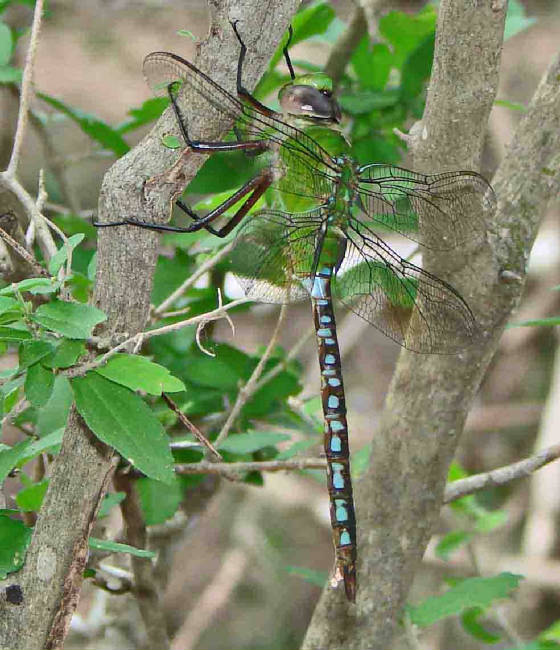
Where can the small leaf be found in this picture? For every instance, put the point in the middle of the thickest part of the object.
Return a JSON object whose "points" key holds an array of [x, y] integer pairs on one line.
{"points": [[552, 321], [61, 255], [36, 447], [110, 501], [451, 542], [471, 592], [470, 622], [67, 353], [121, 419], [159, 501], [360, 461], [30, 499], [171, 141], [6, 44], [317, 578], [74, 320], [14, 540], [516, 19], [514, 106], [53, 415], [33, 285], [9, 457], [39, 384], [30, 352], [95, 128], [115, 547], [150, 110], [247, 443], [139, 373], [187, 33]]}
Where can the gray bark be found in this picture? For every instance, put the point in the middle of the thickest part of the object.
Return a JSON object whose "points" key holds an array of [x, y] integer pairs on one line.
{"points": [[139, 186], [399, 499]]}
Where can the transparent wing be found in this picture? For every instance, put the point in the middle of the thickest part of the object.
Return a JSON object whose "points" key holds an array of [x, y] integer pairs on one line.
{"points": [[441, 212], [409, 305], [274, 255], [307, 168]]}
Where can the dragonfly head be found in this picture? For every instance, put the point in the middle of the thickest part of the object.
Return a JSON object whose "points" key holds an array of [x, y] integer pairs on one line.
{"points": [[310, 97]]}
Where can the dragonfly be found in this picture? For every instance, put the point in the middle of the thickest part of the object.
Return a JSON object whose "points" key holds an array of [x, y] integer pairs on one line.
{"points": [[322, 237]]}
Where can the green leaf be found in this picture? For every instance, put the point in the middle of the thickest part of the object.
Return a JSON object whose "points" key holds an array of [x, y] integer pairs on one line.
{"points": [[121, 419], [110, 501], [33, 285], [372, 65], [115, 547], [514, 106], [471, 592], [187, 33], [30, 499], [14, 540], [470, 622], [67, 353], [74, 320], [92, 126], [9, 457], [30, 352], [39, 384], [552, 321], [6, 44], [150, 110], [406, 31], [139, 373], [451, 542], [317, 578], [10, 75], [516, 19], [61, 255], [171, 141], [159, 501], [36, 447], [224, 371], [8, 304], [247, 443], [53, 415], [14, 334], [365, 101]]}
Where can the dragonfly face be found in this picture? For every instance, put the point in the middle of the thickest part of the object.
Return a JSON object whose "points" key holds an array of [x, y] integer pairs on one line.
{"points": [[310, 98]]}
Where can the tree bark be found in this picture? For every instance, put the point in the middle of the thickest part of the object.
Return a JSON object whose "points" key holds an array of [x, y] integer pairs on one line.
{"points": [[139, 186], [399, 499]]}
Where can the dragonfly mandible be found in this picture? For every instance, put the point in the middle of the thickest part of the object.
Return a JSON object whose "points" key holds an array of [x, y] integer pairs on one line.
{"points": [[320, 239]]}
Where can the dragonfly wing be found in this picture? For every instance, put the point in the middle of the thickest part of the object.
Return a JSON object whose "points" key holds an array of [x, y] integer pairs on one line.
{"points": [[274, 253], [413, 307], [306, 168], [441, 212]]}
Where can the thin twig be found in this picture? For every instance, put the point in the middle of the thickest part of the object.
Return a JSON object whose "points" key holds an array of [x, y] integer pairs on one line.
{"points": [[197, 433], [227, 469], [502, 475], [247, 391], [343, 49], [139, 338], [26, 89], [201, 270], [23, 252]]}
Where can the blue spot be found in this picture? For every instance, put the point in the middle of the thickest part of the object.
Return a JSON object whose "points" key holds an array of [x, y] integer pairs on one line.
{"points": [[333, 402], [324, 331], [336, 444], [319, 288], [330, 359], [329, 372], [325, 319], [334, 382], [336, 425], [341, 513], [323, 303], [345, 538], [329, 341], [325, 271], [337, 479]]}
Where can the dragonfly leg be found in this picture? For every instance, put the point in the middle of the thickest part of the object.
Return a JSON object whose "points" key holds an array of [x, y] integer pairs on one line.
{"points": [[242, 92], [255, 188]]}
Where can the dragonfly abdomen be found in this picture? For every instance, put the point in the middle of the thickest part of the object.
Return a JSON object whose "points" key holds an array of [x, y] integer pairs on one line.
{"points": [[343, 519]]}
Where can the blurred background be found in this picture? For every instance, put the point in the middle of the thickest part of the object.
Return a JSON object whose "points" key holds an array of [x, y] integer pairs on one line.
{"points": [[225, 565]]}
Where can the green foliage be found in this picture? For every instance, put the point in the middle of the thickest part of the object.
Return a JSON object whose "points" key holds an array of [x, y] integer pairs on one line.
{"points": [[159, 501], [115, 547], [246, 443], [138, 373], [14, 540], [466, 594]]}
